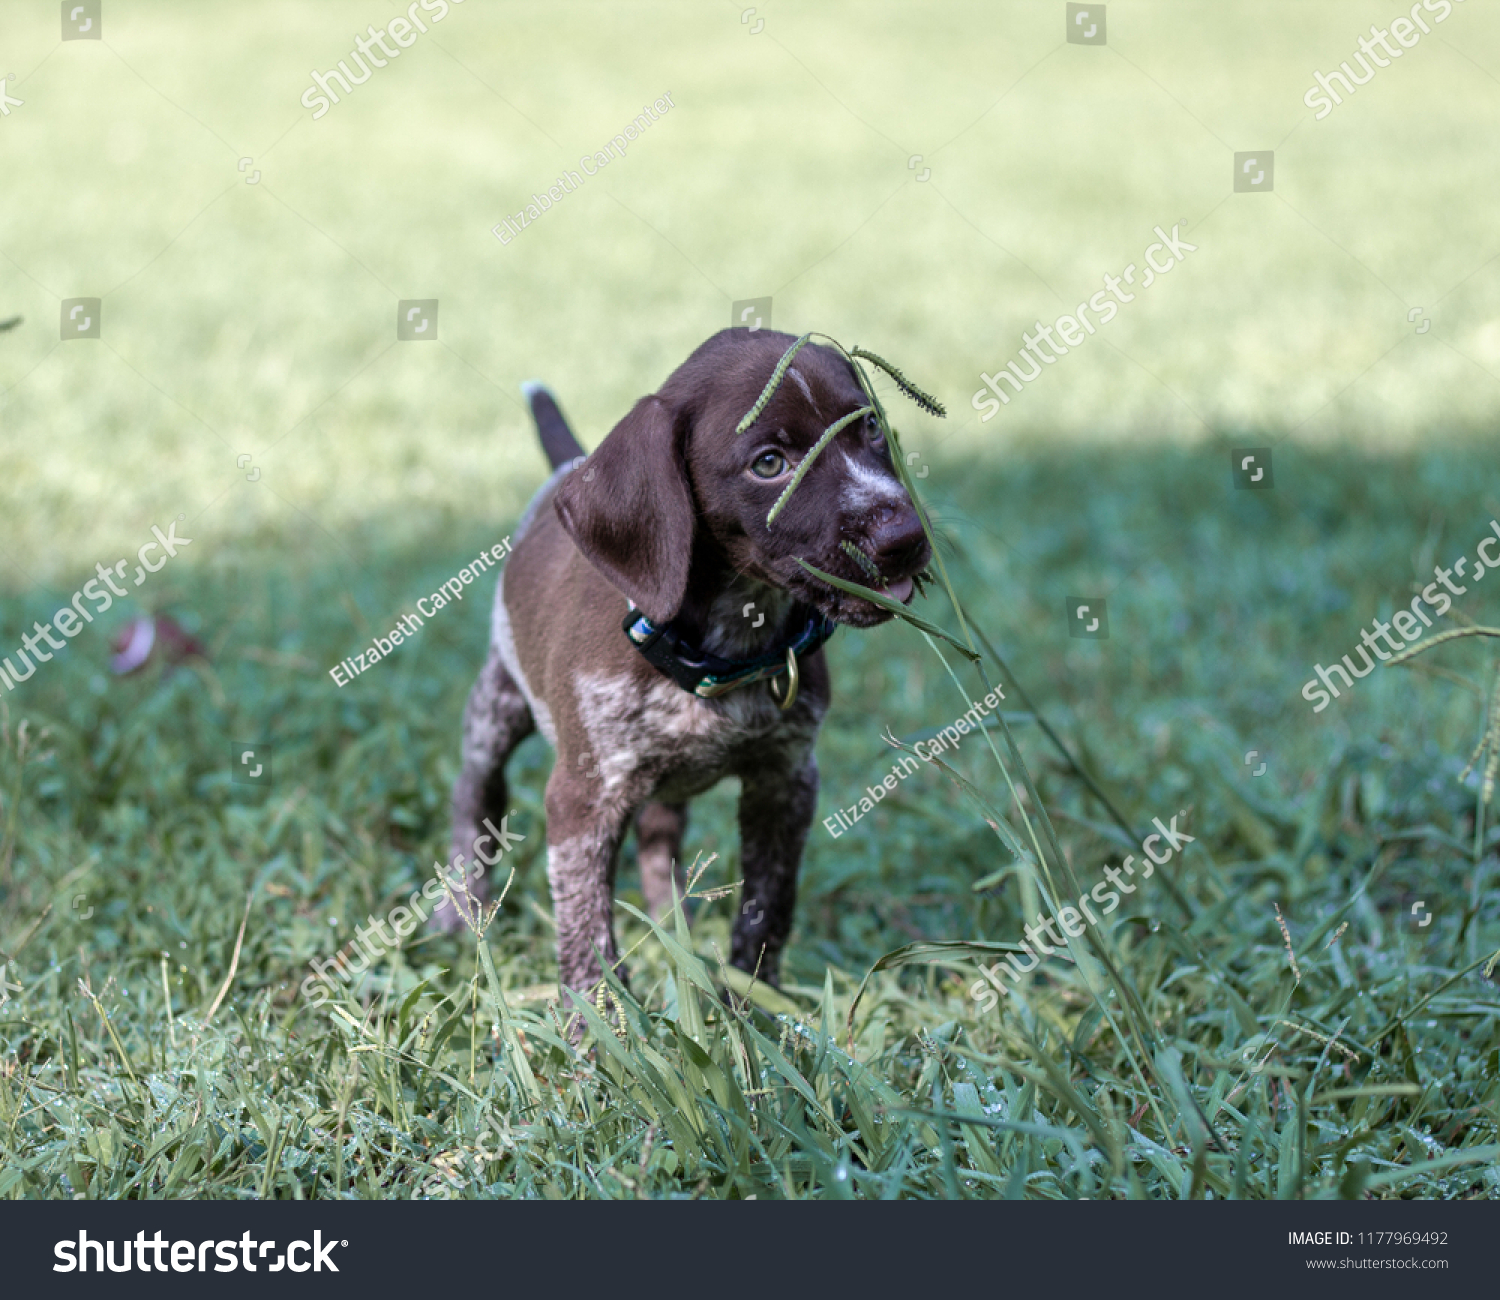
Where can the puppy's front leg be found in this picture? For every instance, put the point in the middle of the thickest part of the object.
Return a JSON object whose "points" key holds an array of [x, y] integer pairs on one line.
{"points": [[776, 810], [584, 831]]}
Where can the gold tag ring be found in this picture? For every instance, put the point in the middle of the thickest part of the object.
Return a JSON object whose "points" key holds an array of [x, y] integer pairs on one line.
{"points": [[791, 688]]}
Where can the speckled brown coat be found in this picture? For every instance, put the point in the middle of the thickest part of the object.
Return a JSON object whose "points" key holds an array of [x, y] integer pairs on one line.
{"points": [[668, 513]]}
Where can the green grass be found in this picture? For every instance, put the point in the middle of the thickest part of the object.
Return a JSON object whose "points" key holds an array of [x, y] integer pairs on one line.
{"points": [[1220, 601], [257, 320]]}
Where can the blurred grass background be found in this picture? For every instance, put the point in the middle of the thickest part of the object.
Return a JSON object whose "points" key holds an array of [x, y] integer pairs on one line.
{"points": [[258, 319]]}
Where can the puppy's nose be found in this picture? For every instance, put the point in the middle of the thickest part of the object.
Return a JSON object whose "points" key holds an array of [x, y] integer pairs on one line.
{"points": [[899, 544]]}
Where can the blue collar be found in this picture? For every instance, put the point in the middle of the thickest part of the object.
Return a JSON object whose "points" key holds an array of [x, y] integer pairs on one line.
{"points": [[707, 675]]}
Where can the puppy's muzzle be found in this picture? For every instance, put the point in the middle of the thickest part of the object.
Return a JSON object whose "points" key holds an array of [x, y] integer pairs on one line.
{"points": [[898, 546]]}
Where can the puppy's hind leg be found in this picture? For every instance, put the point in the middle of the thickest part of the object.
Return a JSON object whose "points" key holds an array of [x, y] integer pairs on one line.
{"points": [[496, 720], [658, 846]]}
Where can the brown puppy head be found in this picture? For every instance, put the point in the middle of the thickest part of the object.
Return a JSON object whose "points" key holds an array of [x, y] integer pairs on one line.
{"points": [[676, 505]]}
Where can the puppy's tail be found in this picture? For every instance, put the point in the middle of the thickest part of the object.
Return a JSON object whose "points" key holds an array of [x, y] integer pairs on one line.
{"points": [[557, 439]]}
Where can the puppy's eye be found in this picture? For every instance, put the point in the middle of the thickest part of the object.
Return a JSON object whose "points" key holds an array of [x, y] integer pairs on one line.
{"points": [[769, 464], [873, 430]]}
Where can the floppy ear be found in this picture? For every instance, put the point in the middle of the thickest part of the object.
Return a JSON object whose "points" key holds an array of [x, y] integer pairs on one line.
{"points": [[628, 508]]}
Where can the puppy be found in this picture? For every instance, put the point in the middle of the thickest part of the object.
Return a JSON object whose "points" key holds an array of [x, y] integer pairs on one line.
{"points": [[649, 622]]}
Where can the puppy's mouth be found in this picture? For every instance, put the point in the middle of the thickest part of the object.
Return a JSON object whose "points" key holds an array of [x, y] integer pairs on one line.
{"points": [[855, 611], [900, 590]]}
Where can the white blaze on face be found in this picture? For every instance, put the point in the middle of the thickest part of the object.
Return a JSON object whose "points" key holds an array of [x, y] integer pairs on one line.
{"points": [[866, 488]]}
